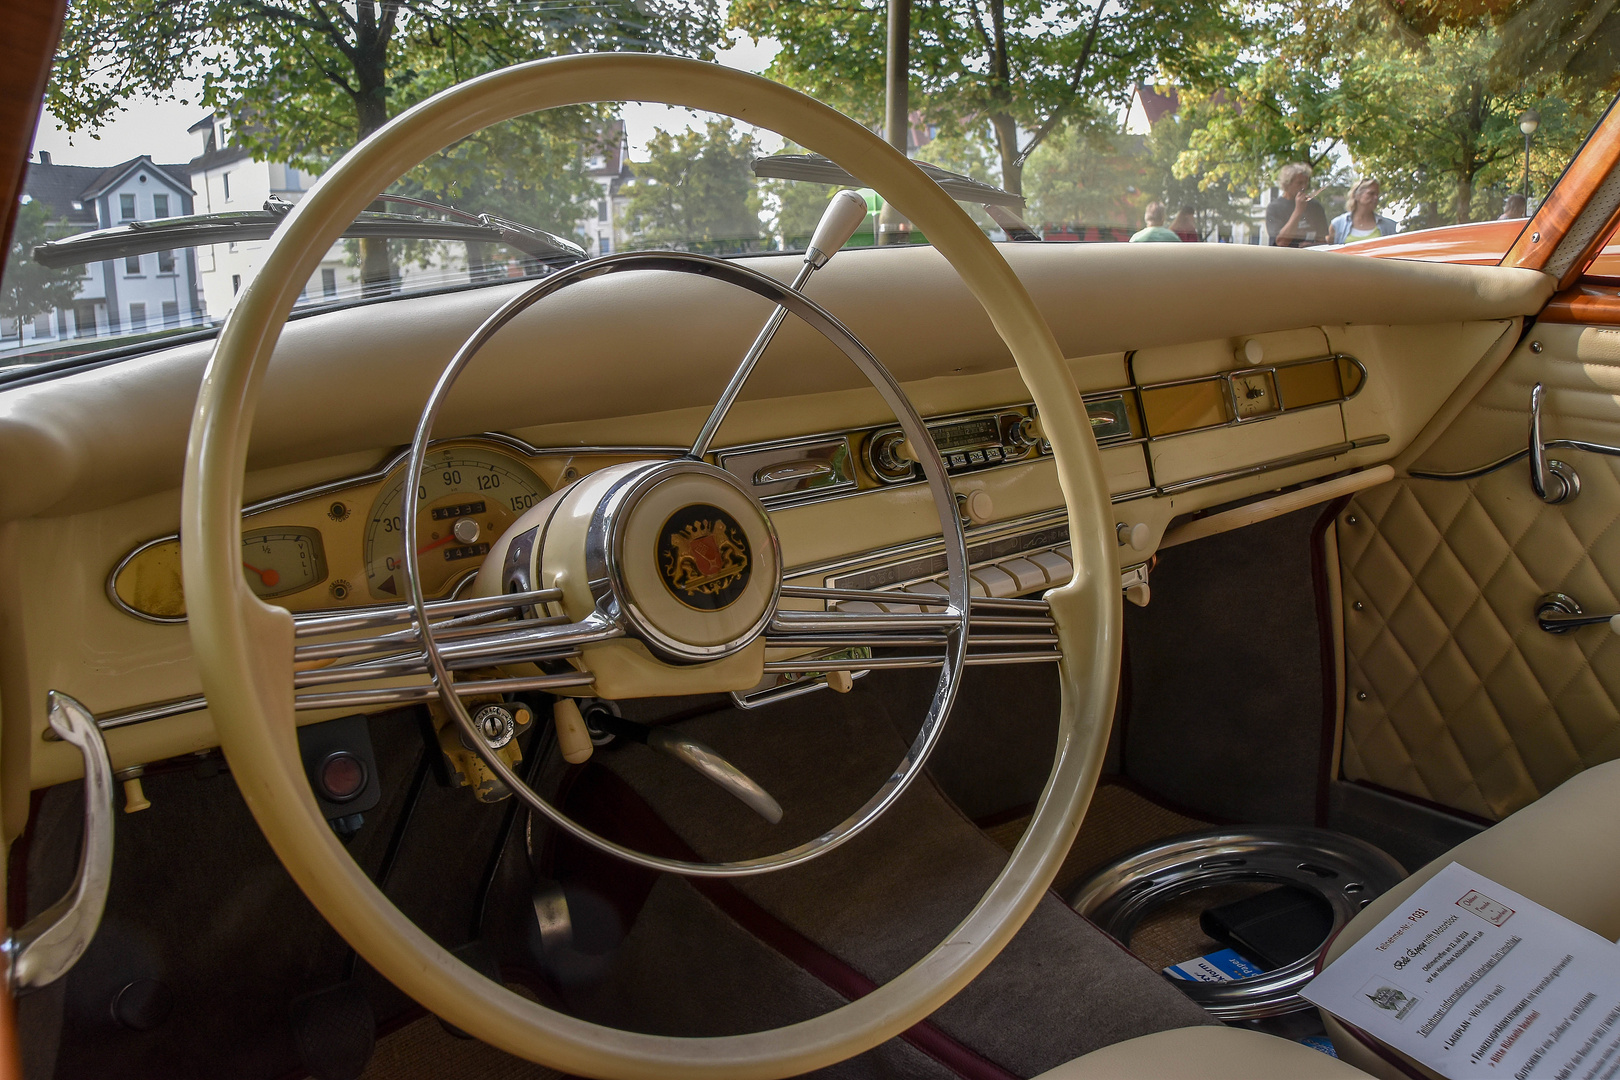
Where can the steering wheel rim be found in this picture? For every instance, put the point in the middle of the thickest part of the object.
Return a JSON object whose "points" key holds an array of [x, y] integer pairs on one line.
{"points": [[243, 647]]}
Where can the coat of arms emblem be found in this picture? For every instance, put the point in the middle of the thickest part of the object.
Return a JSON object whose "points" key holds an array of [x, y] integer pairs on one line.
{"points": [[703, 555]]}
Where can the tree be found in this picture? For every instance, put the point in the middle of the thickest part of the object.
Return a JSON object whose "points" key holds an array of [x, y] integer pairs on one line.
{"points": [[1026, 67], [307, 79], [696, 191], [28, 289]]}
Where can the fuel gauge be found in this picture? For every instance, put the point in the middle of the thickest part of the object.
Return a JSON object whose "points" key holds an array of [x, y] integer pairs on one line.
{"points": [[280, 561]]}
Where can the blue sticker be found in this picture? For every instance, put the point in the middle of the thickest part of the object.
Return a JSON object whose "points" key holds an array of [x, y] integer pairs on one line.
{"points": [[1322, 1043], [1218, 967]]}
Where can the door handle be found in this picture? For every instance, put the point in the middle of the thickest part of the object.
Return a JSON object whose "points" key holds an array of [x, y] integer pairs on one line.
{"points": [[1553, 481], [52, 942]]}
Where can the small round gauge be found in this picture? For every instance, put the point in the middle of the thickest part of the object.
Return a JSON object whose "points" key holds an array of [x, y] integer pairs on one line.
{"points": [[468, 496], [279, 561]]}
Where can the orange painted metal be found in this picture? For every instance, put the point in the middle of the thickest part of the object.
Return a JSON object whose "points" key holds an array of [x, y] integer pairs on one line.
{"points": [[1480, 243], [1592, 164]]}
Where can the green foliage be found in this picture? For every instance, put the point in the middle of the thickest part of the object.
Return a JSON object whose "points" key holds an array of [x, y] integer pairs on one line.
{"points": [[1093, 177], [696, 191], [1034, 65], [27, 288]]}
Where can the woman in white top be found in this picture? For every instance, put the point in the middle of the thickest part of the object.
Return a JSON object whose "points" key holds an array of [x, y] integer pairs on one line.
{"points": [[1361, 220]]}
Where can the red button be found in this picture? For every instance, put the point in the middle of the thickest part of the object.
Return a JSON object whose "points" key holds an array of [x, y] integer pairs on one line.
{"points": [[342, 776]]}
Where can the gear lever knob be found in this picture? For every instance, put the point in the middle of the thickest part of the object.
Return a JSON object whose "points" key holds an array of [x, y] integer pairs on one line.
{"points": [[844, 214]]}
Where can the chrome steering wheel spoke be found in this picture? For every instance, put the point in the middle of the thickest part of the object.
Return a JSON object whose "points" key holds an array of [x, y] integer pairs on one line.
{"points": [[443, 642]]}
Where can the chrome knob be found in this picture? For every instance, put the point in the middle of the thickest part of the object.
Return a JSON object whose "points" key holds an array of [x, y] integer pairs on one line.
{"points": [[466, 530]]}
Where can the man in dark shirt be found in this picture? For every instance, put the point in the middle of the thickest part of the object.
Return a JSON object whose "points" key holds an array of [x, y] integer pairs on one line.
{"points": [[1294, 218]]}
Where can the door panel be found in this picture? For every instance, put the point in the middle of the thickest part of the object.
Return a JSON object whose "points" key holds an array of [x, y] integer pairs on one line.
{"points": [[1453, 693]]}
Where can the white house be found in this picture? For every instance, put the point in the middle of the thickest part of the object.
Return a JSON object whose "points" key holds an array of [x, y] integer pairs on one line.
{"points": [[227, 177], [130, 295], [603, 231]]}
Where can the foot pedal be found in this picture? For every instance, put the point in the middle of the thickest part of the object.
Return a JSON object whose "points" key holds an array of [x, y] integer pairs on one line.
{"points": [[335, 1031], [477, 955]]}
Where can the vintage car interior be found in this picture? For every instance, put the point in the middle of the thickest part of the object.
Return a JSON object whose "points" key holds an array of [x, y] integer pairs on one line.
{"points": [[824, 730]]}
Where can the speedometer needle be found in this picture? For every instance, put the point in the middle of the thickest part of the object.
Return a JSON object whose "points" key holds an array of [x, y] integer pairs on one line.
{"points": [[270, 578], [437, 543]]}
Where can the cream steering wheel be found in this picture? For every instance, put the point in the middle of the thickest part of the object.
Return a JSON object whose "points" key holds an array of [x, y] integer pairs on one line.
{"points": [[244, 647]]}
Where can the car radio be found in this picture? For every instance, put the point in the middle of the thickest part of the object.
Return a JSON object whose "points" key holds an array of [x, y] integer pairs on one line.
{"points": [[986, 440]]}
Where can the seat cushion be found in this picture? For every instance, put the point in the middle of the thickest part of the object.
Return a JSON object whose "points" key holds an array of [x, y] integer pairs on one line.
{"points": [[1562, 851], [1204, 1053]]}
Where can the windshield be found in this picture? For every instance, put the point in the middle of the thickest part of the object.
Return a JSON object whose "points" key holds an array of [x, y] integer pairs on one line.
{"points": [[1302, 124]]}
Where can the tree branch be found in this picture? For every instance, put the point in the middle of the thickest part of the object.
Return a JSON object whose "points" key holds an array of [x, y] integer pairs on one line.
{"points": [[1074, 88]]}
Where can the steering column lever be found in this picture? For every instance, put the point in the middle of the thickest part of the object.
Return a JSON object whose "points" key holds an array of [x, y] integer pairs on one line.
{"points": [[844, 214], [1553, 481], [48, 946], [700, 757]]}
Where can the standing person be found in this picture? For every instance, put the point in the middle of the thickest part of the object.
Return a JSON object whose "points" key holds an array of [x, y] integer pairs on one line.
{"points": [[1361, 219], [1185, 226], [1154, 231], [1294, 218], [1513, 207]]}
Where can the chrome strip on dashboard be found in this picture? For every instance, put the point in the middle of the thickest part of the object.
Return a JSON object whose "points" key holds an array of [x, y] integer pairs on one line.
{"points": [[1486, 470], [1302, 458]]}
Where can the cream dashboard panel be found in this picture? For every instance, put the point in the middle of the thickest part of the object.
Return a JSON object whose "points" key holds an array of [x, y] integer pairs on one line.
{"points": [[79, 642]]}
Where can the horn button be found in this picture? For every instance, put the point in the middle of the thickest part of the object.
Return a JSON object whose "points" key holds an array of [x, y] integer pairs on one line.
{"points": [[688, 557]]}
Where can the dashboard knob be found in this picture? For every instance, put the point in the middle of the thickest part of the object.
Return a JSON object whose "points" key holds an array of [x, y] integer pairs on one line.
{"points": [[466, 530], [976, 506], [1252, 353], [1138, 536]]}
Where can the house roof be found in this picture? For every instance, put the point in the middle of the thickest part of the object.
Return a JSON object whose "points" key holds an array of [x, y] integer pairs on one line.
{"points": [[177, 176], [60, 186], [215, 158], [1155, 104]]}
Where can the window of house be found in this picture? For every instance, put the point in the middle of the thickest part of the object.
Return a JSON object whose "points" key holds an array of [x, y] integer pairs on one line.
{"points": [[328, 282], [137, 317], [132, 264], [42, 326], [165, 262], [84, 320], [601, 209], [160, 206], [604, 244], [126, 207], [225, 180], [171, 313], [236, 284]]}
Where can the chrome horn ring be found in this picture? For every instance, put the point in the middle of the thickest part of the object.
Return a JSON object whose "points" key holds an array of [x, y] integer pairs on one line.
{"points": [[605, 624]]}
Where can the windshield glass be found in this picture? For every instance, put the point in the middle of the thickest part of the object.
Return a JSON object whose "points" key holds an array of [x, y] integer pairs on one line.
{"points": [[1194, 121]]}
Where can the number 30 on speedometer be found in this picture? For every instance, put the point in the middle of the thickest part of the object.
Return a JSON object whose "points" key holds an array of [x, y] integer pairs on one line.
{"points": [[468, 497]]}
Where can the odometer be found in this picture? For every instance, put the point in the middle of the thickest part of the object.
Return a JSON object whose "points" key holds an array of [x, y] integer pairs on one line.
{"points": [[468, 497]]}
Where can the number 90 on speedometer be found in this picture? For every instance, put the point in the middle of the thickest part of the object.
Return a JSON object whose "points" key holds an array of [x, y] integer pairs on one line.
{"points": [[468, 497]]}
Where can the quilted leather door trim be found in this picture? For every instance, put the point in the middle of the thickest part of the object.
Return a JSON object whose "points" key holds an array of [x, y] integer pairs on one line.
{"points": [[1453, 693]]}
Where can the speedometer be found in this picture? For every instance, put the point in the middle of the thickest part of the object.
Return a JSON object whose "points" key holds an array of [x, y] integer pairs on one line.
{"points": [[468, 497]]}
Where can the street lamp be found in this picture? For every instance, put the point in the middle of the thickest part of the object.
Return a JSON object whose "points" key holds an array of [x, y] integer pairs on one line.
{"points": [[1529, 120]]}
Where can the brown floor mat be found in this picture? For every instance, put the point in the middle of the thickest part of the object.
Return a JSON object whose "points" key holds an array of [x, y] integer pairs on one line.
{"points": [[423, 1050], [1119, 820]]}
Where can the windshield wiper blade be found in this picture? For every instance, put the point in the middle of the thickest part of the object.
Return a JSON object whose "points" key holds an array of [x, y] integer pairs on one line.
{"points": [[1003, 206], [165, 234]]}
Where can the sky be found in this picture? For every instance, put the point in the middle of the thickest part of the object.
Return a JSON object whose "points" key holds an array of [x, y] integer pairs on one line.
{"points": [[159, 128]]}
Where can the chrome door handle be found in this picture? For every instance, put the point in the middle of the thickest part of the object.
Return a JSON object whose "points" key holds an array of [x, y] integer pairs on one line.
{"points": [[713, 767], [1559, 613], [797, 470], [1553, 481], [52, 942]]}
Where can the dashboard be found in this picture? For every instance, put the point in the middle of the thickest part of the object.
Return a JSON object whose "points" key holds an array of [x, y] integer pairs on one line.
{"points": [[1226, 395]]}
